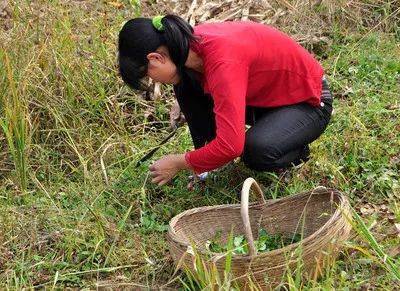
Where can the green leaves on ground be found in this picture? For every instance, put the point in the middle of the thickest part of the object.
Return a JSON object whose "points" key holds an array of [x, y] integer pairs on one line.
{"points": [[266, 242]]}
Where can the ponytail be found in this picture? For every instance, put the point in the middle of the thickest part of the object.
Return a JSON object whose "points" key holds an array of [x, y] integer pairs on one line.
{"points": [[177, 34]]}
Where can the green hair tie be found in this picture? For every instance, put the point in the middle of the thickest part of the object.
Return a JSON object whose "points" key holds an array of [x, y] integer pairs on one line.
{"points": [[157, 22]]}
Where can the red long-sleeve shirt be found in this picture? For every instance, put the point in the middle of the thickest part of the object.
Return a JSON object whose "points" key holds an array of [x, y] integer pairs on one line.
{"points": [[247, 63]]}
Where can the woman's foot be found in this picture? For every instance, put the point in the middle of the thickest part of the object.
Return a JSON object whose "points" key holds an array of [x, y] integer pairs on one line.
{"points": [[304, 156]]}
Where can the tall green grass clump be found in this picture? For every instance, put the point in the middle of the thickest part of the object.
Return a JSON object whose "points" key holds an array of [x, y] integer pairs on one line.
{"points": [[205, 276], [14, 120]]}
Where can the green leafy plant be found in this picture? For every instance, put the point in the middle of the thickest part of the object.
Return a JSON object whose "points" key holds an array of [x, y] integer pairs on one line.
{"points": [[266, 242]]}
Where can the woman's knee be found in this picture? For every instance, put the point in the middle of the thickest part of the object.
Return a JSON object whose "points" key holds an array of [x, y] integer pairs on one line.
{"points": [[258, 155], [271, 157]]}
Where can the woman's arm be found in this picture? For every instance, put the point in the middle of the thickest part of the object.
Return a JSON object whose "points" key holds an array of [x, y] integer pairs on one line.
{"points": [[227, 82], [228, 86]]}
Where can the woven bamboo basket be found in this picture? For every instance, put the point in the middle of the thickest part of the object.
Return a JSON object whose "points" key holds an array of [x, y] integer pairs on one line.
{"points": [[321, 216]]}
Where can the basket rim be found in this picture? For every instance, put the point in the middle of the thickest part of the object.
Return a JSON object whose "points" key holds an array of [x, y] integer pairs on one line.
{"points": [[337, 214]]}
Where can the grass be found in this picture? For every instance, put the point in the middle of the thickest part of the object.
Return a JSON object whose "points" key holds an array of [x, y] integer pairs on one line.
{"points": [[15, 122], [68, 122]]}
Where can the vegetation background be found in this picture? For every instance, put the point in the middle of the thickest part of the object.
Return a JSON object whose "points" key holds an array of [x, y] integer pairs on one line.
{"points": [[74, 209]]}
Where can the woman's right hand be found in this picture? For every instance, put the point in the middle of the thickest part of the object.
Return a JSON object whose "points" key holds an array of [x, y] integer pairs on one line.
{"points": [[176, 117]]}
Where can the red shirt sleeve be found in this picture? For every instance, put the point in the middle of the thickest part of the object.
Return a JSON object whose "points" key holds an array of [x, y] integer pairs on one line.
{"points": [[227, 83]]}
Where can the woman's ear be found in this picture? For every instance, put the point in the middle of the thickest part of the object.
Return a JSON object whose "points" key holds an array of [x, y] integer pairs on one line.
{"points": [[156, 58]]}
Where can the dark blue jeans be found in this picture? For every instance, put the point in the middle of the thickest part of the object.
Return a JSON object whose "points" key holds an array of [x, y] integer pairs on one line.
{"points": [[278, 137]]}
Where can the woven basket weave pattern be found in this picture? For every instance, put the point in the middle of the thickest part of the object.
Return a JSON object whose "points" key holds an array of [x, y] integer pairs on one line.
{"points": [[321, 215]]}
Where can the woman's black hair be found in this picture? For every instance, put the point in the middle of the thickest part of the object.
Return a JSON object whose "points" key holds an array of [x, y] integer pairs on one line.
{"points": [[138, 37]]}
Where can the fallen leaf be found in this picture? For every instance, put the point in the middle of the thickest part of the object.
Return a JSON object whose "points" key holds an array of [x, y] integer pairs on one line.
{"points": [[397, 227], [395, 160], [393, 107], [116, 4], [394, 251], [383, 208], [367, 209], [391, 218]]}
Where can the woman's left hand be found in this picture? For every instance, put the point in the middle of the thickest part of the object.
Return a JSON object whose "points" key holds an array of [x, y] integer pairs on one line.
{"points": [[163, 170]]}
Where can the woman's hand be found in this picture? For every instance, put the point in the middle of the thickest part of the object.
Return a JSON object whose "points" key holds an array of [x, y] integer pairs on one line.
{"points": [[176, 117], [163, 170]]}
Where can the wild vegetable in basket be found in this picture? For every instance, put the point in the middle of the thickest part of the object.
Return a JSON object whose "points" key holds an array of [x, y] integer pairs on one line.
{"points": [[266, 242]]}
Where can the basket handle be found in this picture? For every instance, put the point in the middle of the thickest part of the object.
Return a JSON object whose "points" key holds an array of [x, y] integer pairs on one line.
{"points": [[244, 210]]}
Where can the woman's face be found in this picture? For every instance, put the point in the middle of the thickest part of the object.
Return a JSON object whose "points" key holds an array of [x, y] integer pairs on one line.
{"points": [[161, 68]]}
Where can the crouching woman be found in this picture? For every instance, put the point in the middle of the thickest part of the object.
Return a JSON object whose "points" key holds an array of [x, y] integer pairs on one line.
{"points": [[227, 75]]}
